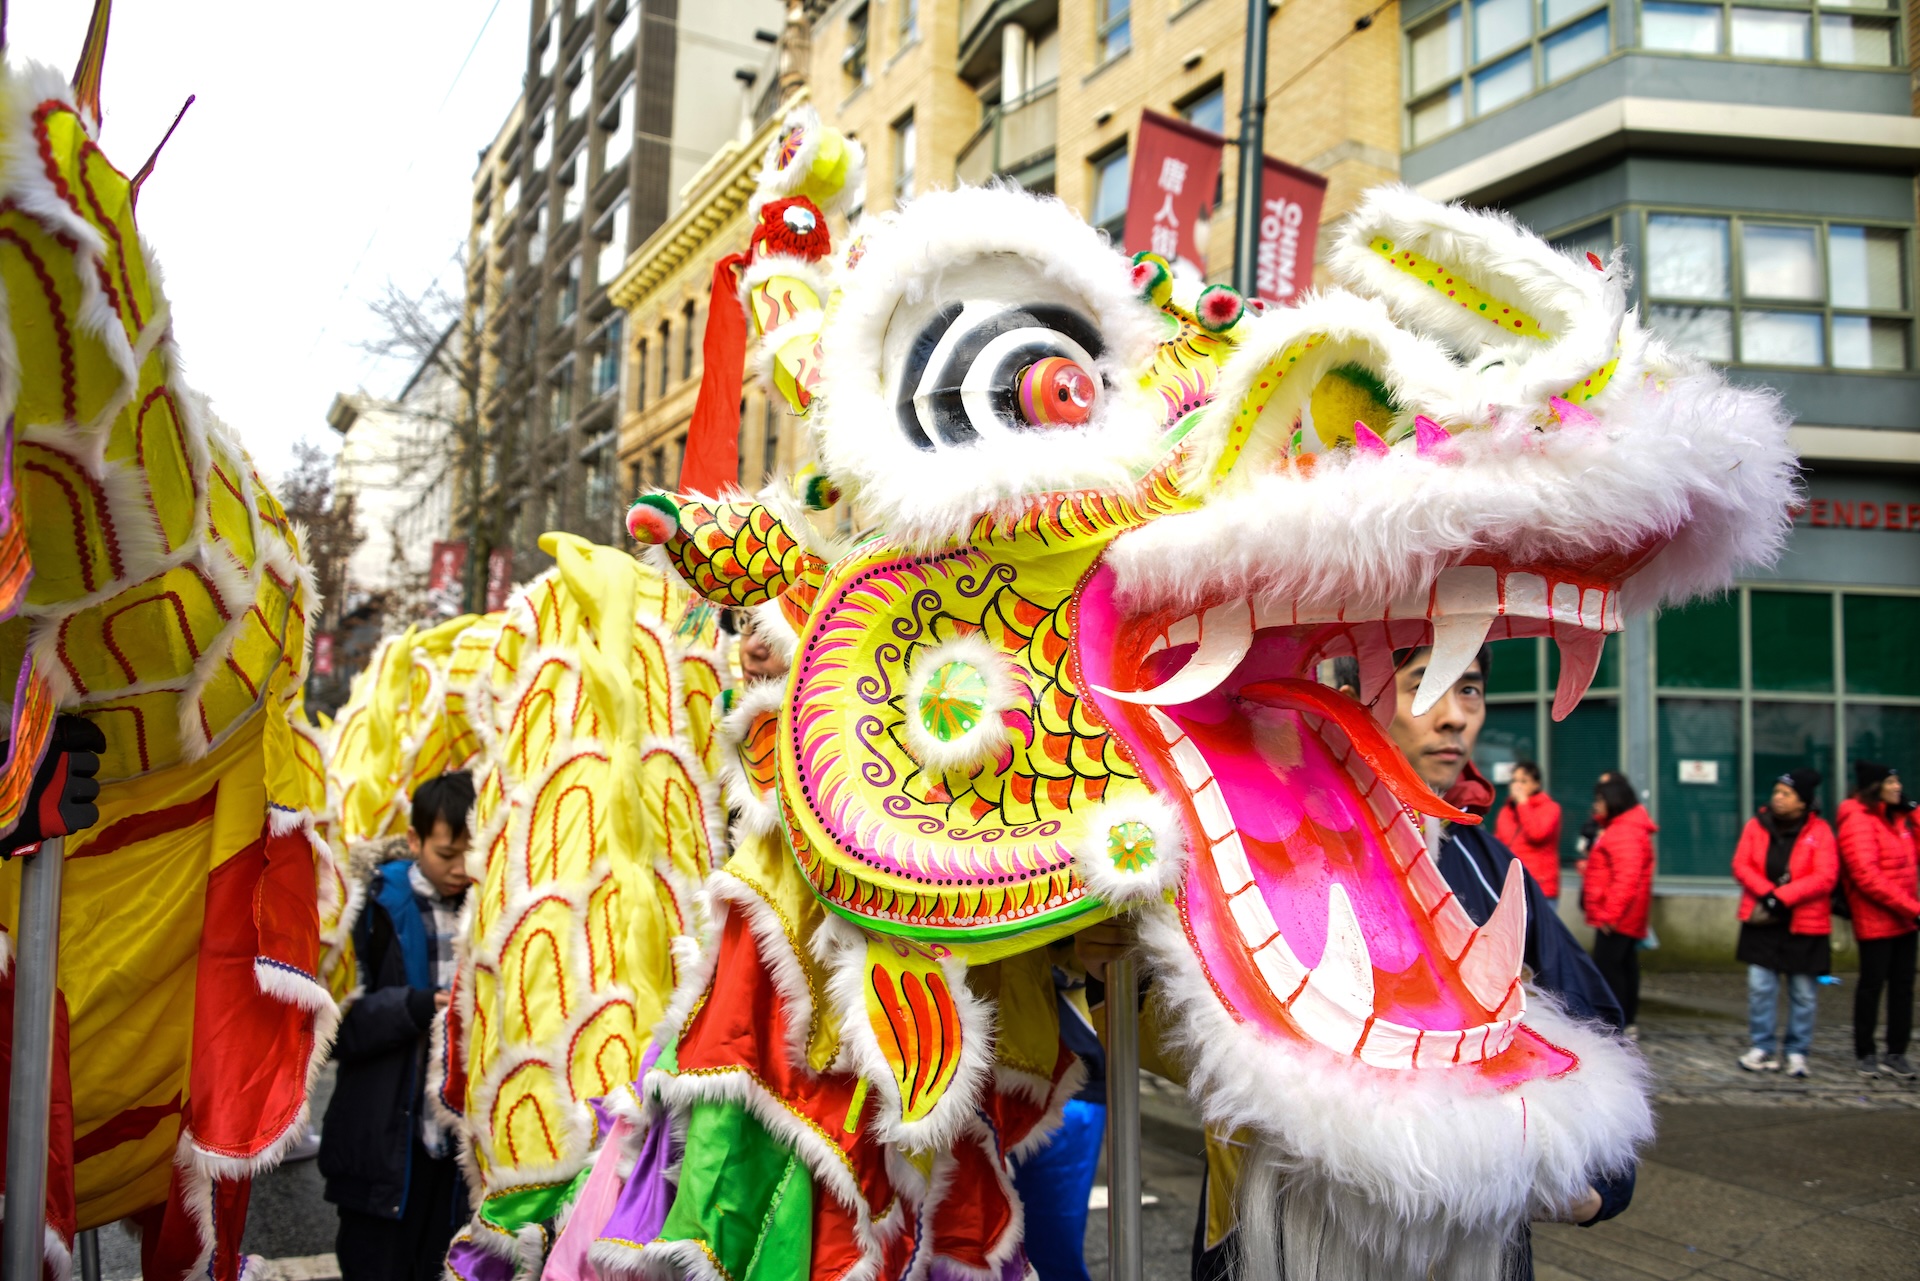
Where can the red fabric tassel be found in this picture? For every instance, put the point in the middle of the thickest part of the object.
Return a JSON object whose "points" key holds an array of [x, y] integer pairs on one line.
{"points": [[712, 458]]}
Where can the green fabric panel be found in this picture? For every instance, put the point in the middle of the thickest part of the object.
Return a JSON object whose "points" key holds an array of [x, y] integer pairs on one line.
{"points": [[743, 1195], [514, 1210]]}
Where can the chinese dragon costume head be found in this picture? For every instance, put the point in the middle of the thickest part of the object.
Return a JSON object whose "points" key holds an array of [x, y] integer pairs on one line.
{"points": [[1117, 521], [151, 583]]}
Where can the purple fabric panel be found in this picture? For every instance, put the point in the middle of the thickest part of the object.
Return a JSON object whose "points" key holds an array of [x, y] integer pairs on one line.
{"points": [[471, 1263]]}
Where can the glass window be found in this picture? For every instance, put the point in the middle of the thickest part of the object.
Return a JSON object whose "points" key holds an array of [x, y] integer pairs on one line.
{"points": [[1498, 25], [1583, 43], [1890, 735], [640, 377], [1687, 257], [1557, 11], [1781, 338], [1771, 33], [1579, 750], [1681, 28], [1433, 52], [1116, 28], [617, 120], [1882, 654], [1699, 787], [550, 49], [666, 354], [1780, 261], [1516, 667], [1869, 342], [686, 341], [1208, 111], [573, 189], [613, 242], [567, 300], [1792, 641], [1511, 734], [1859, 42], [543, 139], [560, 398], [623, 35], [1868, 267], [1699, 646], [1790, 736], [854, 60], [1706, 332], [903, 158], [537, 235], [909, 21], [1503, 82], [1437, 115], [1110, 193]]}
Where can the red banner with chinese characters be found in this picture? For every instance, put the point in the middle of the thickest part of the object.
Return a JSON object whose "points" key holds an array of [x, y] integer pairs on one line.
{"points": [[448, 565], [323, 654], [1290, 199], [1176, 171], [499, 577]]}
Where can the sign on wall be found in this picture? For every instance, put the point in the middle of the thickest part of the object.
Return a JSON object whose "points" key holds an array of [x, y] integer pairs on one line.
{"points": [[1864, 513]]}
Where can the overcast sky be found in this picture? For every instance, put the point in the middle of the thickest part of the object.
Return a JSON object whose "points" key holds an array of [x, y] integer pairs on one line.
{"points": [[332, 148]]}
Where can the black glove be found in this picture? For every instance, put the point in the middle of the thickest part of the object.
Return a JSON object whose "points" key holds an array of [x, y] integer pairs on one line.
{"points": [[61, 800], [1772, 906]]}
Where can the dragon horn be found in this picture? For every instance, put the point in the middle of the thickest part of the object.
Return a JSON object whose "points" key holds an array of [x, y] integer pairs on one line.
{"points": [[93, 60]]}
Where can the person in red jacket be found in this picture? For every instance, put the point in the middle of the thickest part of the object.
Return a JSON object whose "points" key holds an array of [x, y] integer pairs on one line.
{"points": [[1787, 865], [1618, 890], [1878, 869], [1529, 825]]}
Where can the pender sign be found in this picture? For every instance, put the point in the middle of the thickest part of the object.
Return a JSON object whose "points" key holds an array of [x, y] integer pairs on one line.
{"points": [[1865, 513]]}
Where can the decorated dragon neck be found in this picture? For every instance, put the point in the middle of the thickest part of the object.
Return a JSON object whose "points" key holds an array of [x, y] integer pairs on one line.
{"points": [[1119, 522]]}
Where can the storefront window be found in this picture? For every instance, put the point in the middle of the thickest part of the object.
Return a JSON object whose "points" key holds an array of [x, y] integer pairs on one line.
{"points": [[1738, 707], [1520, 726]]}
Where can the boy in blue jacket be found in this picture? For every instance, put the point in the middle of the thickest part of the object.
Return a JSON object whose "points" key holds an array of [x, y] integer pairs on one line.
{"points": [[389, 1166]]}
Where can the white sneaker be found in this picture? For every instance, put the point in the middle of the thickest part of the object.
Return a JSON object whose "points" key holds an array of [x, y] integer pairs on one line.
{"points": [[1758, 1060], [1796, 1065]]}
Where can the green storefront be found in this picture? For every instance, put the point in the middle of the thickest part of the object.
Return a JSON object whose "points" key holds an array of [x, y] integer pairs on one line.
{"points": [[1818, 664]]}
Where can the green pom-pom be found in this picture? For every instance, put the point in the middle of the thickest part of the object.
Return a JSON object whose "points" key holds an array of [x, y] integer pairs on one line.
{"points": [[653, 519], [815, 489], [1218, 308]]}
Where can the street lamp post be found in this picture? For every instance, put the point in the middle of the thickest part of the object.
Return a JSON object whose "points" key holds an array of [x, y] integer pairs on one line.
{"points": [[35, 979], [1253, 148]]}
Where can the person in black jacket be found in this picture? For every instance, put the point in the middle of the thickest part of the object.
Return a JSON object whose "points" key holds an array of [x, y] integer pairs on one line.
{"points": [[389, 1165]]}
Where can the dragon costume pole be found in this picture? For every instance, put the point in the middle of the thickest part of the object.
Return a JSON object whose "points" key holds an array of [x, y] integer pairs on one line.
{"points": [[87, 1246], [35, 974], [1123, 1120]]}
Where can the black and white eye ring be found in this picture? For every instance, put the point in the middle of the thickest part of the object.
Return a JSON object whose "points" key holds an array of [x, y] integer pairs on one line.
{"points": [[988, 368]]}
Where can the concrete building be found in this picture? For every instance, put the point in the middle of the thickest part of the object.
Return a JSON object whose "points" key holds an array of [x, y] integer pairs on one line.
{"points": [[623, 104], [397, 464], [1757, 162]]}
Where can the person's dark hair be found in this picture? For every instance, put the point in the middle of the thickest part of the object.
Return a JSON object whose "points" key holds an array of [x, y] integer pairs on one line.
{"points": [[1616, 793], [1344, 670], [449, 797], [1868, 776], [1530, 768]]}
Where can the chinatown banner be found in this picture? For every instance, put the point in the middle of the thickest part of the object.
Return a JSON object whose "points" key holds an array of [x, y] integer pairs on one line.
{"points": [[1290, 199], [1176, 170], [323, 654], [446, 575], [499, 578]]}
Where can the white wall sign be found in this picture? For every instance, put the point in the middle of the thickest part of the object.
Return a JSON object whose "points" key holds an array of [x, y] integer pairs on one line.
{"points": [[1704, 772]]}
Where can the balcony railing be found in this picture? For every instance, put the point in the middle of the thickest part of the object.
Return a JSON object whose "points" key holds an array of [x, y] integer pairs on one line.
{"points": [[1015, 136]]}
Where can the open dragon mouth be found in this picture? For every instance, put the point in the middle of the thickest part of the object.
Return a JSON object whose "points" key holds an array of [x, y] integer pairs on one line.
{"points": [[1311, 894]]}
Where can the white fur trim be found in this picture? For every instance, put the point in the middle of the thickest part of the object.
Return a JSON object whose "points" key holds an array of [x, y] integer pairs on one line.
{"points": [[1125, 889], [988, 739], [1418, 1145], [927, 252], [759, 812]]}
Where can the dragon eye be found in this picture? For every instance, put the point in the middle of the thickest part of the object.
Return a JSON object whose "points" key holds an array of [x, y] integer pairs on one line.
{"points": [[984, 369]]}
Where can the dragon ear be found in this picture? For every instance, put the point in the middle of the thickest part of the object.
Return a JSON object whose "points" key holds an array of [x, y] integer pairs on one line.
{"points": [[734, 552], [1490, 289]]}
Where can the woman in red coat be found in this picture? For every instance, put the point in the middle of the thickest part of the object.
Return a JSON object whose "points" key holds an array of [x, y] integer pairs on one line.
{"points": [[1787, 865], [1878, 868], [1529, 825], [1618, 890]]}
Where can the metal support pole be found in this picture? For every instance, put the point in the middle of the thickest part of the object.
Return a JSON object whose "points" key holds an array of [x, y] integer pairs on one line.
{"points": [[1253, 153], [1123, 1119], [35, 974], [89, 1246]]}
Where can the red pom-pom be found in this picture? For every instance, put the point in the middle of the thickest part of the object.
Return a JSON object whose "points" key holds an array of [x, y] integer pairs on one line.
{"points": [[793, 227]]}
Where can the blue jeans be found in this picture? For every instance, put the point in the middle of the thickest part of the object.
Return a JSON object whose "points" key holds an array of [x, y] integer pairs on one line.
{"points": [[1763, 992], [1054, 1184]]}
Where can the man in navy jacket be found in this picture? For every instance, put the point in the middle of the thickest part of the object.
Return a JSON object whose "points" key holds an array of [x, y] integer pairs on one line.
{"points": [[390, 1167]]}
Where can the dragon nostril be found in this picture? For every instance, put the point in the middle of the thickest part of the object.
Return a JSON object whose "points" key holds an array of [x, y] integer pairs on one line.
{"points": [[1055, 392]]}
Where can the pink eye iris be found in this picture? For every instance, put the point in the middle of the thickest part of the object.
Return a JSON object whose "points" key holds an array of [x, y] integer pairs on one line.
{"points": [[1056, 392]]}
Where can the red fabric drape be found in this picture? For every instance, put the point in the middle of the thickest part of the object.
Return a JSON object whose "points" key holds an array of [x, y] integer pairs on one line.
{"points": [[712, 458]]}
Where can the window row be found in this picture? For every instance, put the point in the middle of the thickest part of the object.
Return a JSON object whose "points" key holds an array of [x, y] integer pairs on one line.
{"points": [[1761, 290], [1477, 56]]}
